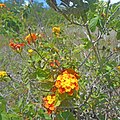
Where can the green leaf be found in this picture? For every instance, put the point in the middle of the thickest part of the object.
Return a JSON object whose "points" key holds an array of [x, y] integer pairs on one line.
{"points": [[79, 48], [88, 45], [118, 35], [28, 86], [93, 23], [14, 117], [20, 102], [0, 116], [2, 104], [4, 116], [41, 74], [47, 84], [58, 103], [108, 68], [65, 116]]}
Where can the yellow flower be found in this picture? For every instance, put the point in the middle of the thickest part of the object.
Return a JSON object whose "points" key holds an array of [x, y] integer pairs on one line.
{"points": [[3, 74], [50, 99], [118, 67], [30, 51], [56, 31]]}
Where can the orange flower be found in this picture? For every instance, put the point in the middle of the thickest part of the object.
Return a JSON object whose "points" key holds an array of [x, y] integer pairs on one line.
{"points": [[58, 83], [55, 63], [61, 90], [67, 82], [48, 103], [2, 5], [31, 38], [16, 46], [71, 92]]}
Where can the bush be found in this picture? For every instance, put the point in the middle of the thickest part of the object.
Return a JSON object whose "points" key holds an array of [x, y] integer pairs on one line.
{"points": [[65, 70]]}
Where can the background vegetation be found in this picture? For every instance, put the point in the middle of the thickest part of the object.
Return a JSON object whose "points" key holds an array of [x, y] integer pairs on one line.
{"points": [[86, 41]]}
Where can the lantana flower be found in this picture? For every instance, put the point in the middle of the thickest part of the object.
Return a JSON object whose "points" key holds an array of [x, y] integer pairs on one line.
{"points": [[55, 63], [56, 31], [16, 46], [3, 74], [67, 82], [31, 38], [2, 5], [49, 103]]}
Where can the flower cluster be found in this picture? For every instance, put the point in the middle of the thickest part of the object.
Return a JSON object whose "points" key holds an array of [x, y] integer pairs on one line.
{"points": [[67, 82], [55, 63], [48, 103], [3, 74], [31, 38], [2, 5], [16, 46], [56, 31]]}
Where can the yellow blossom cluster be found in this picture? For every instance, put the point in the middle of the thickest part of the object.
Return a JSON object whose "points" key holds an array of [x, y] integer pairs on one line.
{"points": [[56, 31], [3, 74], [67, 82], [48, 103]]}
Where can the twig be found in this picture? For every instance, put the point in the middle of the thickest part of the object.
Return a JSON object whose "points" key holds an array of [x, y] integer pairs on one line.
{"points": [[84, 60]]}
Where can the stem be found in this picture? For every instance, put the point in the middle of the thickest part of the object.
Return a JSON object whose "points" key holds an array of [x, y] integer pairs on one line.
{"points": [[84, 60], [40, 55], [93, 45]]}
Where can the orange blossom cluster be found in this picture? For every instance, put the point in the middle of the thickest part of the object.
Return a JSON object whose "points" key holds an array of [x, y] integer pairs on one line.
{"points": [[48, 103], [16, 46], [67, 82]]}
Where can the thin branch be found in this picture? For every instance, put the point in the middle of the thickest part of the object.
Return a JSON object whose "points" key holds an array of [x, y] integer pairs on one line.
{"points": [[85, 60]]}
